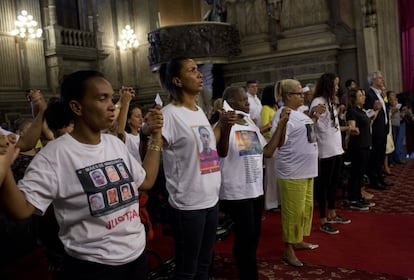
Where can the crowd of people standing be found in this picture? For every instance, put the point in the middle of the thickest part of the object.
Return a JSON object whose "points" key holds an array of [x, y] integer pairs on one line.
{"points": [[97, 158]]}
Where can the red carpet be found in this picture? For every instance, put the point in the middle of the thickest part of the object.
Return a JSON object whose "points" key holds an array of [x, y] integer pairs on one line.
{"points": [[378, 244], [372, 242], [378, 241]]}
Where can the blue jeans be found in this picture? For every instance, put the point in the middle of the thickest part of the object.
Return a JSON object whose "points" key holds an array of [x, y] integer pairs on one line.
{"points": [[398, 135], [194, 234]]}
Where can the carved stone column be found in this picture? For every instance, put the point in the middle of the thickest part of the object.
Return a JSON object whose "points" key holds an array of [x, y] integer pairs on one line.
{"points": [[251, 18], [305, 24], [299, 13], [205, 42], [211, 42]]}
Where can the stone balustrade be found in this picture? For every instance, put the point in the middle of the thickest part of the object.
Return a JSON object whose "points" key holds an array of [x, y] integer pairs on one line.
{"points": [[77, 38]]}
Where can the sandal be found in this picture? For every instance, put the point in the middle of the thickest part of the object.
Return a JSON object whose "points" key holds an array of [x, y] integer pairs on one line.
{"points": [[292, 262], [305, 246]]}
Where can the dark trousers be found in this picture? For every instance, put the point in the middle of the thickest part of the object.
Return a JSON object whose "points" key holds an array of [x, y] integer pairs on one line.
{"points": [[247, 217], [326, 183], [76, 269], [376, 158], [194, 234], [359, 161]]}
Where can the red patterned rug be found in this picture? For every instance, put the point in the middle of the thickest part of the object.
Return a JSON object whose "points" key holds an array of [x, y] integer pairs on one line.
{"points": [[378, 244], [398, 199], [225, 269]]}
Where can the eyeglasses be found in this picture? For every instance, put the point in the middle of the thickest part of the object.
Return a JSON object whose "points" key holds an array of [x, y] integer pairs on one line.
{"points": [[297, 93]]}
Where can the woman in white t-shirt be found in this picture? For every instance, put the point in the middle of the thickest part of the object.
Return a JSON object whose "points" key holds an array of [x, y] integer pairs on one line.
{"points": [[102, 233], [328, 136], [191, 167], [297, 165], [132, 127], [132, 135], [129, 122]]}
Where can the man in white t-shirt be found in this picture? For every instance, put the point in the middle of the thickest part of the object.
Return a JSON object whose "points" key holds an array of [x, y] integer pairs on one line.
{"points": [[255, 105]]}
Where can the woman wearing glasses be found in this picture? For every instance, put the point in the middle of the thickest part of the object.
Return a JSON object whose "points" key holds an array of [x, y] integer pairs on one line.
{"points": [[297, 165], [328, 136]]}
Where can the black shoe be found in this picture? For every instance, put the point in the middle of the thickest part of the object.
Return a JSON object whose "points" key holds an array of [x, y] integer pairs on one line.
{"points": [[328, 228], [365, 202], [387, 184], [378, 186], [358, 205]]}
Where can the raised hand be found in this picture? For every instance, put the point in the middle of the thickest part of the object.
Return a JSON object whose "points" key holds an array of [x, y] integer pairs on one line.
{"points": [[377, 105], [154, 121], [126, 94], [284, 115], [228, 119], [319, 109], [37, 102]]}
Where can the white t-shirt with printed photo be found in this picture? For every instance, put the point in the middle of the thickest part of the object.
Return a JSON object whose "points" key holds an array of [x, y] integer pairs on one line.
{"points": [[242, 169], [328, 132], [297, 158], [86, 184], [192, 176]]}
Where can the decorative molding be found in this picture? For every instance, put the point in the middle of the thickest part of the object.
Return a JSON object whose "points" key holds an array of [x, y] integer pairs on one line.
{"points": [[212, 42], [369, 12]]}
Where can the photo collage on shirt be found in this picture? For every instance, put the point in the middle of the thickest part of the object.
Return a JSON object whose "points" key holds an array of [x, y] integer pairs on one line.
{"points": [[108, 186]]}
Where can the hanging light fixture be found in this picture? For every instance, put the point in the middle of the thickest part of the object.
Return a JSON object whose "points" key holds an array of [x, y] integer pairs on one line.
{"points": [[25, 27], [128, 39]]}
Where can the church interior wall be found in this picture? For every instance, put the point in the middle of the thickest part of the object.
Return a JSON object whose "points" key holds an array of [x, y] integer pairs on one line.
{"points": [[347, 45]]}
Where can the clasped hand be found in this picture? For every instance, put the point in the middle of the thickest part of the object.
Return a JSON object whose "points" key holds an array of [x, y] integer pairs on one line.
{"points": [[154, 121]]}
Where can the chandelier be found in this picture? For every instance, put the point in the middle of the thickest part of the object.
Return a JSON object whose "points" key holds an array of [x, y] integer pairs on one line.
{"points": [[25, 27], [128, 39]]}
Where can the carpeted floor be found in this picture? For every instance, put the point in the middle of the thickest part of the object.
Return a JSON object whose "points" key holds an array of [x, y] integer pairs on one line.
{"points": [[378, 244], [225, 269]]}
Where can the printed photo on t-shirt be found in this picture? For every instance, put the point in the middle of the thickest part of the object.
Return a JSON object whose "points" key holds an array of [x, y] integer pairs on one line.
{"points": [[209, 159], [125, 192], [310, 133], [135, 188], [112, 196], [122, 170], [248, 143], [96, 201], [112, 174], [98, 177]]}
